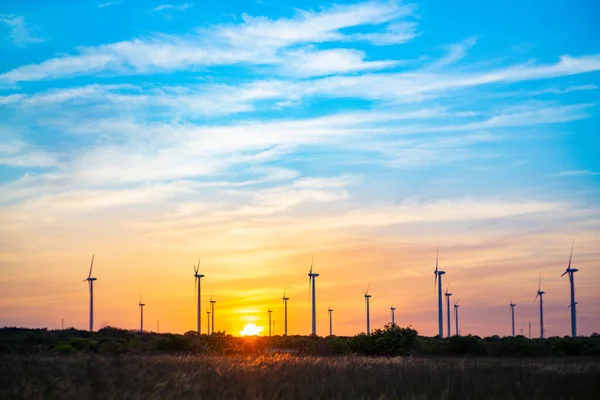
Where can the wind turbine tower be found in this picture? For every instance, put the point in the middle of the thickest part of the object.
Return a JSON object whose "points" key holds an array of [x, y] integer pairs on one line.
{"points": [[207, 321], [141, 315], [540, 294], [448, 308], [330, 311], [197, 278], [456, 316], [570, 271], [438, 281], [512, 316], [212, 310], [367, 301], [285, 317], [270, 325], [312, 283], [393, 309], [90, 281]]}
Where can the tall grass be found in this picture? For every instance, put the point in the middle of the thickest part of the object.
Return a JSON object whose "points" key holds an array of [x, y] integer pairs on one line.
{"points": [[291, 377]]}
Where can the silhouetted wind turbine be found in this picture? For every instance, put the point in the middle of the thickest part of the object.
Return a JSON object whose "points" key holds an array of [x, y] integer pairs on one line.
{"points": [[207, 320], [330, 311], [393, 309], [540, 294], [312, 282], [456, 315], [512, 315], [212, 310], [448, 307], [141, 315], [285, 318], [570, 271], [367, 301], [91, 285], [197, 278], [438, 282], [270, 333]]}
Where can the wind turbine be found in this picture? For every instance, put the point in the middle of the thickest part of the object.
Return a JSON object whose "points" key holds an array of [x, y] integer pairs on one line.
{"points": [[367, 301], [207, 320], [393, 309], [540, 294], [212, 310], [90, 281], [141, 315], [270, 311], [285, 319], [197, 278], [512, 315], [570, 271], [312, 282], [456, 315], [448, 307], [438, 281], [330, 311]]}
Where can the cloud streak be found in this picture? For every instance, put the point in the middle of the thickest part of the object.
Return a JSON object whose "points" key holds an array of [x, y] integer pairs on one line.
{"points": [[20, 34]]}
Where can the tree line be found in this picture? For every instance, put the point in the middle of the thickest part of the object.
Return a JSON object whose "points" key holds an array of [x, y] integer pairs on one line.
{"points": [[391, 340]]}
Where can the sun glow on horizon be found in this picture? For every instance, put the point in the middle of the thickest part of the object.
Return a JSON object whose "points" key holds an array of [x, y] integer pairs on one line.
{"points": [[251, 330]]}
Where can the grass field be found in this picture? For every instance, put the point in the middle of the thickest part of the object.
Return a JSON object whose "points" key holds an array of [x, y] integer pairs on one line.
{"points": [[290, 377]]}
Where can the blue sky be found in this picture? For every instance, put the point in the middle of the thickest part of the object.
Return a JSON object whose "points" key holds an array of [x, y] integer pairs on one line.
{"points": [[281, 128]]}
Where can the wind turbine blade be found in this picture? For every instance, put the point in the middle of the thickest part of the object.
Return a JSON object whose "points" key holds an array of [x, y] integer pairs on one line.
{"points": [[311, 263], [571, 256], [536, 296], [195, 283], [563, 274], [198, 269], [91, 265], [368, 287]]}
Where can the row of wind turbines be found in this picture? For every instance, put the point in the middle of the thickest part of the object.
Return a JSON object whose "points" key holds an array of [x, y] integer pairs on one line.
{"points": [[438, 274]]}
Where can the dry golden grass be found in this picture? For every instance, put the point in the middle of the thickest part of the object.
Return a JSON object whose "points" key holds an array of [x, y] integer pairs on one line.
{"points": [[291, 377]]}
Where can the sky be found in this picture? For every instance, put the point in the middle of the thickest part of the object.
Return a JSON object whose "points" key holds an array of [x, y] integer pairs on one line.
{"points": [[254, 134]]}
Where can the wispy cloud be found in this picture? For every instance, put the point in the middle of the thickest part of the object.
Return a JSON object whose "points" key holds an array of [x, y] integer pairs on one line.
{"points": [[20, 33], [109, 3], [256, 41], [579, 172], [178, 7]]}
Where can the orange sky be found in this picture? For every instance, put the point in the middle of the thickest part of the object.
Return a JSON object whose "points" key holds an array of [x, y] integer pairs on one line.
{"points": [[248, 258]]}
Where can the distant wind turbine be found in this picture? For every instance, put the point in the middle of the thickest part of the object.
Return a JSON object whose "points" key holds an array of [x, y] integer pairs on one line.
{"points": [[448, 308], [570, 271], [285, 317], [456, 316], [212, 310], [512, 315], [540, 294], [207, 320], [312, 283], [438, 281], [197, 278], [90, 281], [141, 315], [330, 311], [367, 301], [393, 309], [270, 311]]}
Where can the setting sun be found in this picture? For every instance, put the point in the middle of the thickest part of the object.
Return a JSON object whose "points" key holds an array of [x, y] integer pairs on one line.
{"points": [[251, 330]]}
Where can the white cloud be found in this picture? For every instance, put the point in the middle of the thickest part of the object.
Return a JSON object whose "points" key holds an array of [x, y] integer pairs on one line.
{"points": [[255, 41], [16, 153], [580, 172], [20, 33], [455, 52], [178, 7], [309, 62], [109, 3]]}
